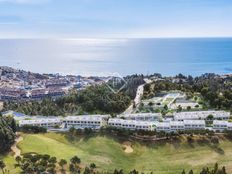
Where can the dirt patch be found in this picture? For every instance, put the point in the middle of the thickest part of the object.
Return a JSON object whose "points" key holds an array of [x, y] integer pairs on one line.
{"points": [[14, 148], [127, 147]]}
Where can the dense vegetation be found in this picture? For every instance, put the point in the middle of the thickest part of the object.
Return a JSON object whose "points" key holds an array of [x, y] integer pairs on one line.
{"points": [[7, 133], [131, 84], [94, 99], [215, 90], [32, 129]]}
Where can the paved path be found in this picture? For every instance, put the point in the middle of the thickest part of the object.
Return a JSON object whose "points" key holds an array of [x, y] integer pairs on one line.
{"points": [[138, 97], [14, 148]]}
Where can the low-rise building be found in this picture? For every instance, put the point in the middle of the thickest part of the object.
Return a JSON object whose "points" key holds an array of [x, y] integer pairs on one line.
{"points": [[131, 124], [219, 125], [86, 121], [163, 127], [43, 122], [194, 124], [142, 116], [177, 126], [201, 115]]}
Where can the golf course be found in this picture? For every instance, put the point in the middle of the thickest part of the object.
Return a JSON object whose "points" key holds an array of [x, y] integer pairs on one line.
{"points": [[109, 154]]}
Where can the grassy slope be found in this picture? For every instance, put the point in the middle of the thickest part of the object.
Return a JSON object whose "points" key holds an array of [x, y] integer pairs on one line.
{"points": [[108, 153]]}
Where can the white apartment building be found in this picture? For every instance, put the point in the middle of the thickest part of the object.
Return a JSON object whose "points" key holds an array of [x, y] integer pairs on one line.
{"points": [[131, 124], [177, 126], [42, 122], [163, 127], [142, 116], [86, 121], [194, 124], [201, 115], [219, 125], [174, 126]]}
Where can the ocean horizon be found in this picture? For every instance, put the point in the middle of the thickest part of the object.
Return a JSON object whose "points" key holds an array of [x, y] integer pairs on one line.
{"points": [[103, 57]]}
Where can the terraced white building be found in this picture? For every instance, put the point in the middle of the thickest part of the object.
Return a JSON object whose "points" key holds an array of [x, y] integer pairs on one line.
{"points": [[142, 116], [219, 125], [201, 115], [174, 126], [43, 122], [131, 124], [86, 121]]}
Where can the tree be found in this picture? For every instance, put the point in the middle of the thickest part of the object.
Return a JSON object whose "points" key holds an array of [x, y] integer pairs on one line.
{"points": [[62, 162], [134, 172], [166, 107], [18, 159], [92, 166], [179, 108], [188, 108], [2, 166], [7, 135], [210, 117], [75, 160], [191, 172], [183, 172], [87, 171], [150, 104]]}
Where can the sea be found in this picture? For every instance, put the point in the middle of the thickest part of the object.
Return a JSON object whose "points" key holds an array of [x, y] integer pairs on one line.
{"points": [[122, 56]]}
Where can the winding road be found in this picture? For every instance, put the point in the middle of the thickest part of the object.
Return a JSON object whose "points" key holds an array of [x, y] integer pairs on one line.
{"points": [[138, 97]]}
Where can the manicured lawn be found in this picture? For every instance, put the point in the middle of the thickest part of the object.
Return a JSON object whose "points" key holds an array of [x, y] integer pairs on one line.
{"points": [[108, 153], [10, 161]]}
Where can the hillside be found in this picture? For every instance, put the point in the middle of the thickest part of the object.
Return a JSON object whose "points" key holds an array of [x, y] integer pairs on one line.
{"points": [[109, 153]]}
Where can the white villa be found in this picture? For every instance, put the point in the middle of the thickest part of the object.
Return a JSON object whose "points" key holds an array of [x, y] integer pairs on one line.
{"points": [[86, 121], [142, 116], [46, 122], [219, 125], [201, 115], [131, 124]]}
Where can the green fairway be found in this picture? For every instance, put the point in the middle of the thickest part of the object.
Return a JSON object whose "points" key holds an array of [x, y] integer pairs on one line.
{"points": [[108, 153]]}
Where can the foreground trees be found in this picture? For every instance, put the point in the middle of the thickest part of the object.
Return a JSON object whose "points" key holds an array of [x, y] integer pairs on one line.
{"points": [[7, 133]]}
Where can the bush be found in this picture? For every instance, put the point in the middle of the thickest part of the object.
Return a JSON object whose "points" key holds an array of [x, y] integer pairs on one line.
{"points": [[33, 129]]}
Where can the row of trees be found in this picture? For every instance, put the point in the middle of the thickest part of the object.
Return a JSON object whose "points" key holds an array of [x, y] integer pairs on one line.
{"points": [[207, 170], [34, 164]]}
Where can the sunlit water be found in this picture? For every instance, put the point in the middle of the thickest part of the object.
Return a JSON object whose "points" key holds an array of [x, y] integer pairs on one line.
{"points": [[124, 56]]}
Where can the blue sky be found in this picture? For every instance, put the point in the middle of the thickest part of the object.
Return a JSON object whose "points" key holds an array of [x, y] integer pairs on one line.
{"points": [[115, 18]]}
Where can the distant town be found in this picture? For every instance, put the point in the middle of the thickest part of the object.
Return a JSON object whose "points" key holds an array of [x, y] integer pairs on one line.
{"points": [[23, 85]]}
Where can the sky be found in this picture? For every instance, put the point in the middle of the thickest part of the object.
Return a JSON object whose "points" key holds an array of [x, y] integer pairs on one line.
{"points": [[115, 18]]}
